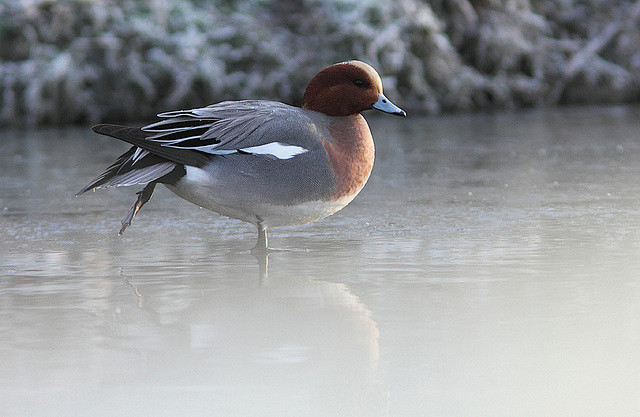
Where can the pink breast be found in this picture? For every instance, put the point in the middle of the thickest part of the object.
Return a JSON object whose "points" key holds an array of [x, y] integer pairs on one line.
{"points": [[351, 154]]}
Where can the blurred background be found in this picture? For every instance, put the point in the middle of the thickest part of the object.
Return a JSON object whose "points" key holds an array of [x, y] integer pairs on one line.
{"points": [[87, 61]]}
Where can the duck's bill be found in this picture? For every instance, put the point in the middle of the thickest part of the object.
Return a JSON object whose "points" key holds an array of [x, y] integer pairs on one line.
{"points": [[385, 105]]}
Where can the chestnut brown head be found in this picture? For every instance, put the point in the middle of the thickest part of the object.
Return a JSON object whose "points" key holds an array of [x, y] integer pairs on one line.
{"points": [[346, 89]]}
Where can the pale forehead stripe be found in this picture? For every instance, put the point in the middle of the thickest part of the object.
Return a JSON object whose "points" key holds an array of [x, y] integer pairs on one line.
{"points": [[373, 74]]}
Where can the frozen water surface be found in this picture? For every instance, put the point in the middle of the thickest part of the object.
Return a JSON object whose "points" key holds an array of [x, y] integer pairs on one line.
{"points": [[491, 267]]}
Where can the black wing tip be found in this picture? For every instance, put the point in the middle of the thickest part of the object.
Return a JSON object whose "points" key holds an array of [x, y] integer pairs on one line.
{"points": [[98, 128], [92, 186], [79, 193], [102, 126], [109, 129]]}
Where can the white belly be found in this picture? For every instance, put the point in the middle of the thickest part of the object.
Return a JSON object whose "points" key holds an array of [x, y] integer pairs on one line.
{"points": [[196, 187]]}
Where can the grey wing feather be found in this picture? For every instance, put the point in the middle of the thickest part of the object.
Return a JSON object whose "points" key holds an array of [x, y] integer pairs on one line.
{"points": [[133, 167], [141, 176], [225, 126]]}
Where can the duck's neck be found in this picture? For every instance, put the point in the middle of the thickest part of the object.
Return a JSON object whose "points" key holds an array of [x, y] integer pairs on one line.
{"points": [[351, 154]]}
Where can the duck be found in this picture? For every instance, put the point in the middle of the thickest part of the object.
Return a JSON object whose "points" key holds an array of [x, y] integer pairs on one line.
{"points": [[263, 162]]}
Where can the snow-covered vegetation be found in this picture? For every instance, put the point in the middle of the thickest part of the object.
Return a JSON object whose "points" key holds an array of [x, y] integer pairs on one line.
{"points": [[80, 61]]}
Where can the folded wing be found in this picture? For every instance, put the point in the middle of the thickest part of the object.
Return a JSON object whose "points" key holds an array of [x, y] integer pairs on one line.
{"points": [[193, 137]]}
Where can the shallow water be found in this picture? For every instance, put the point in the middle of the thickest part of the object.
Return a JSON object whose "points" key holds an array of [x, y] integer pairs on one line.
{"points": [[491, 267]]}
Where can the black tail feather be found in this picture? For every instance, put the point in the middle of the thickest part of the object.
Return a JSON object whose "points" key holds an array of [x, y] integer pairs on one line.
{"points": [[112, 170], [124, 172], [137, 137], [159, 163]]}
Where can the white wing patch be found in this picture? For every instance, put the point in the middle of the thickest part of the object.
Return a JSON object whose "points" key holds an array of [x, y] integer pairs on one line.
{"points": [[277, 149]]}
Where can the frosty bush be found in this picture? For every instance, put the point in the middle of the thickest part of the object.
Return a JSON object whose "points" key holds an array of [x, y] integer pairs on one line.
{"points": [[87, 61]]}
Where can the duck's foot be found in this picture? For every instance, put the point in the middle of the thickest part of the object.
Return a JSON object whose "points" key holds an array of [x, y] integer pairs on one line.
{"points": [[262, 246], [143, 197]]}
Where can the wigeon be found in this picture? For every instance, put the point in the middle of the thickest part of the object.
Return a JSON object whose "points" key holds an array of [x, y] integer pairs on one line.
{"points": [[264, 162]]}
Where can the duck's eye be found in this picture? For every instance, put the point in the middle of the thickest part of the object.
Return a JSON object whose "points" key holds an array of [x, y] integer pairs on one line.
{"points": [[359, 82]]}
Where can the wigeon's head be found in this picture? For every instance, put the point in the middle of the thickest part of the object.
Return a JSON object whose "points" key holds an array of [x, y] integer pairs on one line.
{"points": [[346, 89]]}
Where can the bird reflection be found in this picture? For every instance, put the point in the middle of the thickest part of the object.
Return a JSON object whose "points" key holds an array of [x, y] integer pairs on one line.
{"points": [[262, 256], [287, 338]]}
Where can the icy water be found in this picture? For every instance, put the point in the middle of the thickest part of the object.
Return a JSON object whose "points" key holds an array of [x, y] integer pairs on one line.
{"points": [[491, 267]]}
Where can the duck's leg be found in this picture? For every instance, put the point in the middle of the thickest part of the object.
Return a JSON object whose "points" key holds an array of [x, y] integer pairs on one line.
{"points": [[261, 245], [143, 197]]}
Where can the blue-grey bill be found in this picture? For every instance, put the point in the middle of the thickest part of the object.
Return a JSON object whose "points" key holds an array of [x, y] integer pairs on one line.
{"points": [[385, 105]]}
